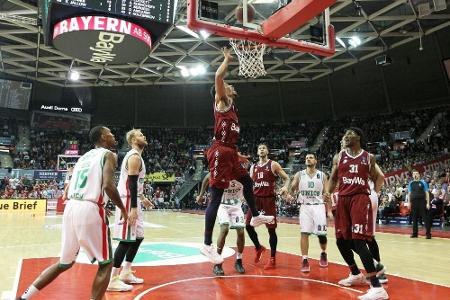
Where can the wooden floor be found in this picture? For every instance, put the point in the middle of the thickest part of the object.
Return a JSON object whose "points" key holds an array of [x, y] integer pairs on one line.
{"points": [[25, 236]]}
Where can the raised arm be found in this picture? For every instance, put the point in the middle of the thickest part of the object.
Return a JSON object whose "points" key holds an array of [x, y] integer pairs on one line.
{"points": [[221, 98]]}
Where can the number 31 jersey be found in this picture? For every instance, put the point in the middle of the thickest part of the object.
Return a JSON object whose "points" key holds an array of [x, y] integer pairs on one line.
{"points": [[353, 173], [87, 177]]}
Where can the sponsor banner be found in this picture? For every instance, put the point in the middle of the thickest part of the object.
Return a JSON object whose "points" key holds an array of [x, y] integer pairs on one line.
{"points": [[400, 135], [18, 173], [48, 175], [298, 144], [102, 39], [403, 174], [61, 108], [23, 205], [71, 152], [160, 177], [5, 141]]}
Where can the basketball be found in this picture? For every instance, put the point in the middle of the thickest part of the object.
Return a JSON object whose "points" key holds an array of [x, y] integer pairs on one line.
{"points": [[239, 13]]}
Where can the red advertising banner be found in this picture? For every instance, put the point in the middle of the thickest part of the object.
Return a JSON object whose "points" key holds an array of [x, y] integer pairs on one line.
{"points": [[431, 166]]}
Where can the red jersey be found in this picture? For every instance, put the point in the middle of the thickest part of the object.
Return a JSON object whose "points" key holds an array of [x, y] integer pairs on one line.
{"points": [[226, 126], [353, 173], [264, 180]]}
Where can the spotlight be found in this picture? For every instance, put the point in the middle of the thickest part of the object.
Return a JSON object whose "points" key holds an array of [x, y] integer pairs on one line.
{"points": [[74, 75], [354, 41]]}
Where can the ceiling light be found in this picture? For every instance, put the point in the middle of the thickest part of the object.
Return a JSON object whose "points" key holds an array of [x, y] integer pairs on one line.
{"points": [[184, 72], [188, 31], [194, 71], [205, 34], [201, 69], [74, 75], [354, 41]]}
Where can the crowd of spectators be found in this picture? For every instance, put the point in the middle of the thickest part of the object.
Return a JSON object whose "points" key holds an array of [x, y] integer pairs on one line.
{"points": [[25, 188], [170, 150]]}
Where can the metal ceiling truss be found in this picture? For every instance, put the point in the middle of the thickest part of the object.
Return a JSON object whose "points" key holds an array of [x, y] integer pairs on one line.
{"points": [[381, 25]]}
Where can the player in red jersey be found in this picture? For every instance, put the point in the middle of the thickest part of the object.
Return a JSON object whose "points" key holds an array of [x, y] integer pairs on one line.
{"points": [[352, 169], [224, 159], [264, 175]]}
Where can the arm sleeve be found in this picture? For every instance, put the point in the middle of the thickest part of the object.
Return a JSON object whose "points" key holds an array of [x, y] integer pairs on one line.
{"points": [[409, 187], [132, 186]]}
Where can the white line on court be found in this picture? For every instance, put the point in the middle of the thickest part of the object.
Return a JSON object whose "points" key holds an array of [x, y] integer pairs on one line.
{"points": [[16, 279], [138, 297]]}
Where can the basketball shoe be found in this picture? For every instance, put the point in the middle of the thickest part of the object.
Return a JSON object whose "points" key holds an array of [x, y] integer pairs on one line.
{"points": [[259, 253], [375, 293], [271, 264], [353, 280], [261, 219], [211, 253], [129, 278], [218, 270], [305, 266], [323, 262], [239, 267], [117, 285]]}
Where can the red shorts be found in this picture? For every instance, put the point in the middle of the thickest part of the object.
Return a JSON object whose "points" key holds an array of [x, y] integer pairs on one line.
{"points": [[354, 217], [266, 205], [224, 165]]}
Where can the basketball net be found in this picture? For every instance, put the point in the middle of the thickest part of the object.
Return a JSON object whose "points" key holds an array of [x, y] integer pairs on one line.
{"points": [[250, 55]]}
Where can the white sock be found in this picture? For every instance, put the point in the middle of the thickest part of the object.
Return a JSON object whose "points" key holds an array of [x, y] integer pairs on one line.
{"points": [[127, 266], [115, 272], [305, 257], [375, 262], [31, 290], [239, 255]]}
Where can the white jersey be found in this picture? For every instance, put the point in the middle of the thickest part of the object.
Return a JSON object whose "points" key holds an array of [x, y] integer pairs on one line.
{"points": [[123, 179], [233, 195], [87, 177], [311, 187]]}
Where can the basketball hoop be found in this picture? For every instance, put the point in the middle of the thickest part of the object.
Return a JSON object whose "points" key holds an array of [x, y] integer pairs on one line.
{"points": [[250, 55]]}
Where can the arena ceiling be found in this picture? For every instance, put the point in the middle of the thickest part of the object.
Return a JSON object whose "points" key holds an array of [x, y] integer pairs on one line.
{"points": [[380, 24]]}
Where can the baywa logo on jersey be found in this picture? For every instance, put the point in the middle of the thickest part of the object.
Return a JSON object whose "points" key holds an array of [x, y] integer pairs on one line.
{"points": [[354, 180]]}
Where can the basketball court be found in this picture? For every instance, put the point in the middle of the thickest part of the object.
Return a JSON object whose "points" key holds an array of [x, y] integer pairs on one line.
{"points": [[173, 268]]}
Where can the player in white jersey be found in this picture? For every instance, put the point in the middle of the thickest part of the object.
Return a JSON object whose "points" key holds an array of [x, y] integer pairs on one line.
{"points": [[310, 184], [85, 223], [130, 234], [230, 216]]}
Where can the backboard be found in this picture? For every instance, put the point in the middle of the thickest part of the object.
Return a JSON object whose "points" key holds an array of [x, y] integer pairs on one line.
{"points": [[299, 25]]}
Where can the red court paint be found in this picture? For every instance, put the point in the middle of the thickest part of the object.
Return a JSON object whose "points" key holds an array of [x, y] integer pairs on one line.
{"points": [[196, 281]]}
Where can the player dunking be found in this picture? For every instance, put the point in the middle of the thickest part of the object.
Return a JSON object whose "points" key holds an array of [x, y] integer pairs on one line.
{"points": [[264, 175], [130, 234], [224, 160], [230, 216], [311, 185], [352, 168], [85, 223]]}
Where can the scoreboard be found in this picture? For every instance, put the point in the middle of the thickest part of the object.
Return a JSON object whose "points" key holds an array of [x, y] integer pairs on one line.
{"points": [[156, 16], [153, 10]]}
